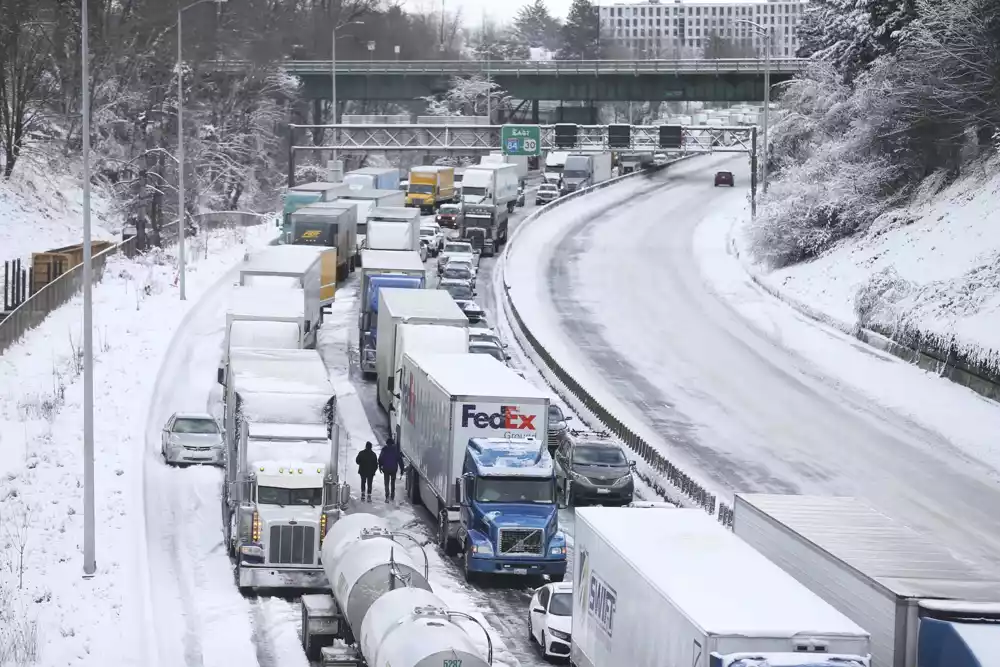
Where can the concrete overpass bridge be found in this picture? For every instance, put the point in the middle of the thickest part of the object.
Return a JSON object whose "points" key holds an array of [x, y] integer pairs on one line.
{"points": [[592, 81]]}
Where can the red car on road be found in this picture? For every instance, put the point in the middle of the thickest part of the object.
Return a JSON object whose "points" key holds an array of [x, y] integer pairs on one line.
{"points": [[724, 178], [448, 215]]}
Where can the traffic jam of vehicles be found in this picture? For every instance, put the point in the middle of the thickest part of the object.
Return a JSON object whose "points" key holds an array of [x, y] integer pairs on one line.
{"points": [[492, 459]]}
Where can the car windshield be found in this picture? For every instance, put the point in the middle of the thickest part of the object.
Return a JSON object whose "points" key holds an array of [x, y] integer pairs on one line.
{"points": [[575, 174], [548, 188], [473, 190], [448, 210], [555, 414], [420, 188], [491, 350], [599, 455], [424, 231], [458, 248], [561, 604], [459, 291], [195, 425], [274, 495], [514, 490]]}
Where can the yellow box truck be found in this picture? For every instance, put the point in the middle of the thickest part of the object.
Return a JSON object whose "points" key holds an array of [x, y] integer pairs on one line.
{"points": [[430, 187]]}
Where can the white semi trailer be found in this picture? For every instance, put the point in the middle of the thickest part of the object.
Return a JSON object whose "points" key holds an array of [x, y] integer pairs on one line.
{"points": [[383, 606]]}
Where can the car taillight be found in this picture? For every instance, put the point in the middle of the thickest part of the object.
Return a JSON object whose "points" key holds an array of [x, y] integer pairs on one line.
{"points": [[256, 527], [322, 528]]}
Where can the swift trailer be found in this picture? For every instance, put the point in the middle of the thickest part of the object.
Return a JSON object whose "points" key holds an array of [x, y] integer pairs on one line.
{"points": [[313, 269], [383, 606], [393, 228], [922, 606], [400, 306], [712, 599], [382, 268], [265, 317], [438, 337], [281, 489], [473, 434], [328, 225], [373, 178]]}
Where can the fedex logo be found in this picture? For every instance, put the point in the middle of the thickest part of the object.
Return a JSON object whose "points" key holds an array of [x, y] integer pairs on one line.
{"points": [[508, 418]]}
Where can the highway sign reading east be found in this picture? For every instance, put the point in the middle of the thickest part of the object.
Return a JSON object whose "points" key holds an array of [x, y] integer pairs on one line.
{"points": [[521, 140]]}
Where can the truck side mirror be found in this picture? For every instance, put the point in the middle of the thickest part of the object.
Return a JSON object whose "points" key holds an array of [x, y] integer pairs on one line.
{"points": [[221, 376], [390, 383], [564, 500], [459, 496]]}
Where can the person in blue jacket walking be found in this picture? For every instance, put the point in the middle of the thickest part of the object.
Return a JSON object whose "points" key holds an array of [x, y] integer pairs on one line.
{"points": [[388, 463]]}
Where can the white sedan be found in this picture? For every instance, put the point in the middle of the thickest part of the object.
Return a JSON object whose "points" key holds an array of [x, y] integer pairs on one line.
{"points": [[550, 619], [192, 438]]}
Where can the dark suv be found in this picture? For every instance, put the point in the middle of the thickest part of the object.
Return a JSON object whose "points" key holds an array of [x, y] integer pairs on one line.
{"points": [[724, 178], [595, 469]]}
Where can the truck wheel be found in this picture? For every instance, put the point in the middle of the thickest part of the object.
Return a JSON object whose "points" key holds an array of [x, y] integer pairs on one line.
{"points": [[412, 485], [557, 578], [442, 535], [471, 576]]}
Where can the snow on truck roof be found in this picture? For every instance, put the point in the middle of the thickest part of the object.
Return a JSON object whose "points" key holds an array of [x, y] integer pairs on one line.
{"points": [[267, 301], [509, 457], [687, 555], [373, 261], [421, 303], [288, 259], [474, 375], [900, 559], [280, 371], [264, 334]]}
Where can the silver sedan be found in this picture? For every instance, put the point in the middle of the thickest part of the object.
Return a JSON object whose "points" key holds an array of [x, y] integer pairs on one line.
{"points": [[192, 438]]}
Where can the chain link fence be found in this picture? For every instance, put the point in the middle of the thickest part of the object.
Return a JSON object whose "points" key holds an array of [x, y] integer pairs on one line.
{"points": [[37, 307]]}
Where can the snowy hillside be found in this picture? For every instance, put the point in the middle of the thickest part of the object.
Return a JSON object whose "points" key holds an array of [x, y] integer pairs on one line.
{"points": [[41, 208], [932, 267]]}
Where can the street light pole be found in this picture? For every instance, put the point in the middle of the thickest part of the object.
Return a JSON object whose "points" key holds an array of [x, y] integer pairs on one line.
{"points": [[333, 79], [766, 32], [89, 520]]}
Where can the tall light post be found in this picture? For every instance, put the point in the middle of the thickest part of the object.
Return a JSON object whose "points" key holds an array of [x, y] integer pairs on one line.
{"points": [[761, 30], [371, 51], [333, 77], [89, 522], [182, 213]]}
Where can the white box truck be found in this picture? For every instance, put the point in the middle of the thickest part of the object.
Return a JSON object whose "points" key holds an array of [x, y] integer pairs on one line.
{"points": [[490, 185], [583, 171], [456, 410], [416, 338], [655, 587], [917, 600], [393, 228], [555, 162], [519, 161], [399, 306], [307, 268], [373, 178], [265, 317]]}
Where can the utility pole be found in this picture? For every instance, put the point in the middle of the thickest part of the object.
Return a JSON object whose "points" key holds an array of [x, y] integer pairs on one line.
{"points": [[89, 520]]}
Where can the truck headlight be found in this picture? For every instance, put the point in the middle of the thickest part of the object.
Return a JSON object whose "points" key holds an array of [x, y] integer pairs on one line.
{"points": [[252, 550], [557, 551], [482, 549]]}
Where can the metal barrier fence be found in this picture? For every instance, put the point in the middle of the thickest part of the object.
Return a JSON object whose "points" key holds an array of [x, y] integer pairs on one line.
{"points": [[37, 307], [667, 470]]}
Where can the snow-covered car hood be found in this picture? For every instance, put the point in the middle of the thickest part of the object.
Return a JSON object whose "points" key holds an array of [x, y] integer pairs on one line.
{"points": [[468, 305], [559, 623], [196, 439]]}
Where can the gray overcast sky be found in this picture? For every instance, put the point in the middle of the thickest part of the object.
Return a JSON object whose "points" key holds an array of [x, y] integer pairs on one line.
{"points": [[502, 11]]}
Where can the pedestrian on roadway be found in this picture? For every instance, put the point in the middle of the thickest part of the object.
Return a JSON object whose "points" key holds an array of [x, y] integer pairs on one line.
{"points": [[388, 463], [367, 462]]}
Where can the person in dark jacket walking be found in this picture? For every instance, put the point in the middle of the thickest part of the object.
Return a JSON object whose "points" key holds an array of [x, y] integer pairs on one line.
{"points": [[388, 463], [367, 465]]}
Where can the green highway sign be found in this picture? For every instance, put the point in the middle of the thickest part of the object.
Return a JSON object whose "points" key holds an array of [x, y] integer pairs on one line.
{"points": [[521, 140]]}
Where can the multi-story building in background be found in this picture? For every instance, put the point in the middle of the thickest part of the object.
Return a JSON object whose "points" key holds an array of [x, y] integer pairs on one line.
{"points": [[700, 28]]}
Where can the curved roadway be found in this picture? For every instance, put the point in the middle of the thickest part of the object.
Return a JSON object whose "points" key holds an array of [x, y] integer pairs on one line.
{"points": [[729, 399]]}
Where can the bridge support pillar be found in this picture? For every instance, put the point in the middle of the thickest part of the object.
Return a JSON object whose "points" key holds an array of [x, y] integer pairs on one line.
{"points": [[317, 119], [534, 112]]}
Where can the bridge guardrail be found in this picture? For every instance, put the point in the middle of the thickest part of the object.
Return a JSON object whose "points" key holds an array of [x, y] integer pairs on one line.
{"points": [[533, 67], [37, 307], [667, 471]]}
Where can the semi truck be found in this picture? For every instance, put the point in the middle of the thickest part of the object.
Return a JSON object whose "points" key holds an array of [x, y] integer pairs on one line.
{"points": [[583, 171], [265, 317], [436, 337], [309, 268], [400, 306], [635, 162], [281, 489], [383, 606], [373, 178], [489, 195], [393, 228], [382, 268], [555, 162], [302, 195], [430, 186], [328, 225], [694, 594], [472, 432], [922, 606], [519, 161]]}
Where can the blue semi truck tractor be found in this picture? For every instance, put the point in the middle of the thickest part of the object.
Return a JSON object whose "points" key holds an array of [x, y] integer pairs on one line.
{"points": [[398, 269], [473, 434]]}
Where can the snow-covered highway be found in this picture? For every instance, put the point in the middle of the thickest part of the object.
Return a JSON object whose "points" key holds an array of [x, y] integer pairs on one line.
{"points": [[621, 286]]}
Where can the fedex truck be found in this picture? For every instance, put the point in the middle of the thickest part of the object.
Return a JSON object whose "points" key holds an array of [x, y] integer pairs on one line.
{"points": [[473, 433]]}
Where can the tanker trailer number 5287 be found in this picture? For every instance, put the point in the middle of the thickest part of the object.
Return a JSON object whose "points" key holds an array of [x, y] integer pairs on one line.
{"points": [[451, 663]]}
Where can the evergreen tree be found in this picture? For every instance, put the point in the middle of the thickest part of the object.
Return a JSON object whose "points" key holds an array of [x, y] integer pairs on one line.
{"points": [[581, 34], [852, 34], [536, 27]]}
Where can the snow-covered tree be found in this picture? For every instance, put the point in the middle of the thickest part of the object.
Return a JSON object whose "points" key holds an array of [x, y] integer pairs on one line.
{"points": [[581, 33], [535, 27], [468, 97]]}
